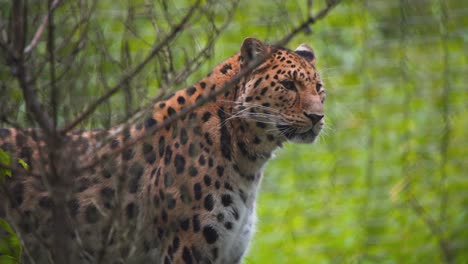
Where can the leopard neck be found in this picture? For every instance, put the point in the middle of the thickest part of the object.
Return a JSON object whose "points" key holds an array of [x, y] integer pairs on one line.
{"points": [[245, 144], [252, 145]]}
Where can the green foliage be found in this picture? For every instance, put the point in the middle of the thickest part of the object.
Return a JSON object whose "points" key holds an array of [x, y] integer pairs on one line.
{"points": [[10, 244], [5, 159], [23, 164]]}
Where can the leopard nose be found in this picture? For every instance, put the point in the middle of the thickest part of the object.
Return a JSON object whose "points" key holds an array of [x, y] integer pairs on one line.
{"points": [[315, 118]]}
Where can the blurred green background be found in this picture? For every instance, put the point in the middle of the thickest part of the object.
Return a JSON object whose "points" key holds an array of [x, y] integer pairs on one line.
{"points": [[387, 180]]}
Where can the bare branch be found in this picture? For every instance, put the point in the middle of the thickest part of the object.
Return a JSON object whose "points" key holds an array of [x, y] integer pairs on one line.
{"points": [[228, 85], [197, 60], [42, 27], [18, 29], [304, 26], [50, 50], [171, 119], [33, 105], [56, 184], [133, 72], [66, 42]]}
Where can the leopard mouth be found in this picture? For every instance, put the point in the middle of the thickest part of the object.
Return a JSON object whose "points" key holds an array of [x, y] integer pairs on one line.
{"points": [[293, 134]]}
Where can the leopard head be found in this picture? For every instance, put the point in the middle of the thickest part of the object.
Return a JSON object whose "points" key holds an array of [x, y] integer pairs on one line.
{"points": [[284, 95]]}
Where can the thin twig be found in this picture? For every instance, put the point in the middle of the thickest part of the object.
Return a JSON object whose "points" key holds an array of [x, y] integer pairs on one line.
{"points": [[42, 27], [433, 227], [77, 46], [195, 63], [90, 109], [173, 118], [51, 52], [129, 76], [34, 107], [304, 26]]}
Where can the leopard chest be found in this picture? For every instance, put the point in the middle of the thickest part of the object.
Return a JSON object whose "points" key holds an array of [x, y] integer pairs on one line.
{"points": [[239, 225], [237, 240]]}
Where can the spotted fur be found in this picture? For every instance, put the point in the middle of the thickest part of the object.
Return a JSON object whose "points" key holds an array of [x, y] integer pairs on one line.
{"points": [[184, 194]]}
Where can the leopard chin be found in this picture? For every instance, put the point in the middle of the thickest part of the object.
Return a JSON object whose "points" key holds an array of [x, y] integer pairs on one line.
{"points": [[292, 134], [306, 137]]}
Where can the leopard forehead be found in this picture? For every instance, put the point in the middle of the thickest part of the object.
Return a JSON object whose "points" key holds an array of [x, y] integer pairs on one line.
{"points": [[285, 69], [287, 64]]}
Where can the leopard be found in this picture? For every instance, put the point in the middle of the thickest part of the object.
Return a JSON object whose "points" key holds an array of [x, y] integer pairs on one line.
{"points": [[180, 184]]}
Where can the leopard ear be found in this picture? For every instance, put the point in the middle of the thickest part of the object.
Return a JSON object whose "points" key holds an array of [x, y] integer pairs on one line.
{"points": [[306, 52], [252, 49]]}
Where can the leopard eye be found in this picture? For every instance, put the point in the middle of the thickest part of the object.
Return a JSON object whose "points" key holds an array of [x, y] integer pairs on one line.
{"points": [[318, 87], [289, 85]]}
